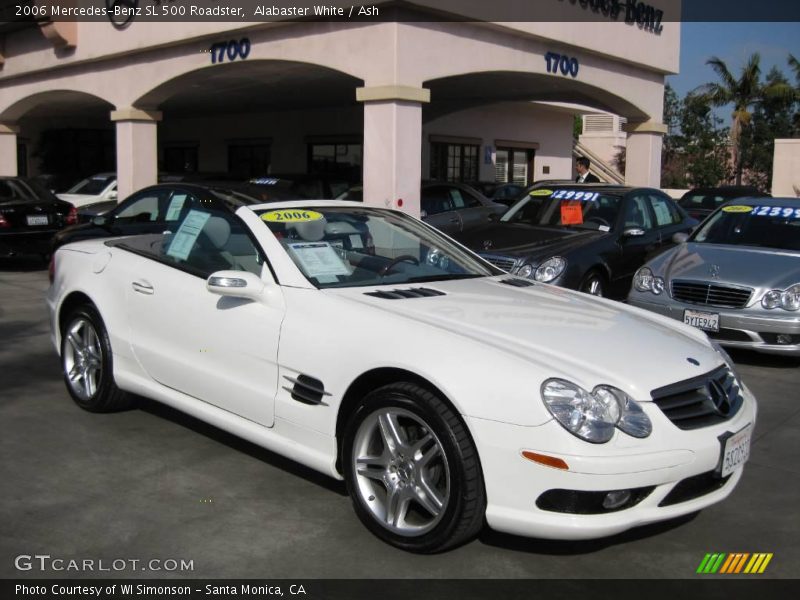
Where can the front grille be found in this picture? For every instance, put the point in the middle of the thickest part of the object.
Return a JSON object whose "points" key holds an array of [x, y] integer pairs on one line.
{"points": [[711, 294], [501, 262], [694, 487], [420, 292], [729, 335], [700, 401]]}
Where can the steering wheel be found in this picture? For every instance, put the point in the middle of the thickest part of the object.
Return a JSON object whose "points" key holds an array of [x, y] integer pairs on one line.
{"points": [[599, 220], [404, 258]]}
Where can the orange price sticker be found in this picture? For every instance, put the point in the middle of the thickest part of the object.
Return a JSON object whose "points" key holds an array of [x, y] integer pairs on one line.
{"points": [[571, 213]]}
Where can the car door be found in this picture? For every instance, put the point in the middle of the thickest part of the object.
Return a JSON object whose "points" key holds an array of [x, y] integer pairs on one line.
{"points": [[439, 210], [220, 350], [639, 237], [669, 220], [472, 212]]}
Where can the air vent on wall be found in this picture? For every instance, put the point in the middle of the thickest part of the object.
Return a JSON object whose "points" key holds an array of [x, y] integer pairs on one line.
{"points": [[407, 293]]}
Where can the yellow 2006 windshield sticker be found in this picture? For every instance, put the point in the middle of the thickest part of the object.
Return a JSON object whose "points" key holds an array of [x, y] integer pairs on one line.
{"points": [[291, 215], [737, 208], [541, 192]]}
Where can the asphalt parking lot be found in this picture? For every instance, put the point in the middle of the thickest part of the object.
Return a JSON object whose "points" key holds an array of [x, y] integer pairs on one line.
{"points": [[154, 484]]}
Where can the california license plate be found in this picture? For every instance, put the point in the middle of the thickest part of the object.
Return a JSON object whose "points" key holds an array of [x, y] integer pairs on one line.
{"points": [[38, 220], [706, 321], [735, 451]]}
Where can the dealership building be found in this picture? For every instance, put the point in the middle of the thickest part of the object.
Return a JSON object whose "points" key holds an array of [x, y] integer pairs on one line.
{"points": [[388, 102]]}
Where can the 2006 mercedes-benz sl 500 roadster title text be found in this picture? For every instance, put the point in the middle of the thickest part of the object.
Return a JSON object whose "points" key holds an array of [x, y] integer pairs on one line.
{"points": [[365, 344]]}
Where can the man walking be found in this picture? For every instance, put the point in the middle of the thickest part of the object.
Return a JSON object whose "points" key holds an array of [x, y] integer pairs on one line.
{"points": [[582, 167]]}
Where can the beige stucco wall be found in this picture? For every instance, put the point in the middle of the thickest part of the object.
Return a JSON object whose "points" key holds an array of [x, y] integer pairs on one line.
{"points": [[786, 168]]}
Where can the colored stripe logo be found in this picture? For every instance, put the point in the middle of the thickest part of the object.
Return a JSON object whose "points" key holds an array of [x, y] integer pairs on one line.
{"points": [[735, 563]]}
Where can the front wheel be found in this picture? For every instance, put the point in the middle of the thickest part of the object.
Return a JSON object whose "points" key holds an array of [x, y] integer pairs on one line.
{"points": [[594, 284], [412, 470], [87, 363]]}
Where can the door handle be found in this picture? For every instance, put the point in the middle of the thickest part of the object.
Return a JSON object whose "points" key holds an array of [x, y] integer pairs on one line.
{"points": [[142, 288]]}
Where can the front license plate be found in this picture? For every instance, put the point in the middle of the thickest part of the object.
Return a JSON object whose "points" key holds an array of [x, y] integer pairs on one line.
{"points": [[735, 451], [38, 220], [702, 320]]}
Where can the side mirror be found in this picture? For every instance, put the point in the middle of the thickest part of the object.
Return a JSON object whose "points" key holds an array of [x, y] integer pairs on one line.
{"points": [[101, 221], [633, 232], [494, 217], [680, 237], [237, 284]]}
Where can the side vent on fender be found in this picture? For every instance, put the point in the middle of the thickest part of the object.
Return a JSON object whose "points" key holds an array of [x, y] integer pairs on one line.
{"points": [[517, 282], [306, 389], [421, 292]]}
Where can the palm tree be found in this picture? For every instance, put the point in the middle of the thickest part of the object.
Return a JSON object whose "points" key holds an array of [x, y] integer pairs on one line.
{"points": [[744, 93]]}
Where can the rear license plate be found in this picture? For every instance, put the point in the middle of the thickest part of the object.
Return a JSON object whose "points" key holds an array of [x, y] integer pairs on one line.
{"points": [[702, 320], [38, 220], [735, 451]]}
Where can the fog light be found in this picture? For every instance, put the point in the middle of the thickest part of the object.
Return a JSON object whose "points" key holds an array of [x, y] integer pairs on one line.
{"points": [[616, 499], [784, 339]]}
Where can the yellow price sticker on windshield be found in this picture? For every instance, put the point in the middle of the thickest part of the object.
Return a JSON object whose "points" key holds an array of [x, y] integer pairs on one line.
{"points": [[541, 192], [737, 208], [291, 215]]}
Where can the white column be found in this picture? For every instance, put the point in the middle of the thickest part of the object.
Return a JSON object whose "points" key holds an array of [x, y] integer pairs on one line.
{"points": [[643, 153], [393, 146], [137, 149], [8, 150]]}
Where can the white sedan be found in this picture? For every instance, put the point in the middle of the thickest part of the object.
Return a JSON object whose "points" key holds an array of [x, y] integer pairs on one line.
{"points": [[97, 188], [368, 346]]}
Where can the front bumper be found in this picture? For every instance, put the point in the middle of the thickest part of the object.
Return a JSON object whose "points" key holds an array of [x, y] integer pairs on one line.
{"points": [[738, 329], [662, 461]]}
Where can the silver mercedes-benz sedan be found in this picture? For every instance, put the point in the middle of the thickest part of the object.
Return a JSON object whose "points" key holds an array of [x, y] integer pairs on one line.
{"points": [[737, 277]]}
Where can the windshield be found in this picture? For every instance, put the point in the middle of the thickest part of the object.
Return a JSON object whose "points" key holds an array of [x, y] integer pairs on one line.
{"points": [[767, 226], [352, 247], [566, 208], [92, 186]]}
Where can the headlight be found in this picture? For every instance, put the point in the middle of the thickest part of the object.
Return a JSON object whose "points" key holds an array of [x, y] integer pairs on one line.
{"points": [[594, 416], [788, 299], [525, 271], [550, 269], [645, 281]]}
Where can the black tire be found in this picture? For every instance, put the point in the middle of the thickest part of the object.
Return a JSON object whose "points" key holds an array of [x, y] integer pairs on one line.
{"points": [[86, 362], [595, 284], [447, 465]]}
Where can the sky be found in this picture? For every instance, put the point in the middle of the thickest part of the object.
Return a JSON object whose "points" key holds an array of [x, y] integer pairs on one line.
{"points": [[733, 42]]}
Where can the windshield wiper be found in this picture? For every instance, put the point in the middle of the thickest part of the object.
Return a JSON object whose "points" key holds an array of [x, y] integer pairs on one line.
{"points": [[444, 277]]}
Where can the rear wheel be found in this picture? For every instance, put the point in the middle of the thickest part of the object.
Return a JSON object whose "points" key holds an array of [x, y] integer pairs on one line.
{"points": [[86, 361], [412, 470]]}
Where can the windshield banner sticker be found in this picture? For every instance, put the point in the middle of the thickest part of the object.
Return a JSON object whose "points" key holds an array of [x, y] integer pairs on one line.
{"points": [[187, 234], [575, 195], [319, 259], [291, 215], [773, 211], [737, 208], [541, 192]]}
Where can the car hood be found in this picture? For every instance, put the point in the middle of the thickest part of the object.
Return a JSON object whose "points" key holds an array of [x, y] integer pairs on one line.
{"points": [[81, 199], [565, 333], [514, 239], [740, 265]]}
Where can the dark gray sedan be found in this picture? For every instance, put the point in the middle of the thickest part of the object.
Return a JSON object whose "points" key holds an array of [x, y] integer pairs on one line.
{"points": [[737, 277]]}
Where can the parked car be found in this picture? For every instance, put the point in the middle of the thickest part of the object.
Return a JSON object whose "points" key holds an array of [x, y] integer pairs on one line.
{"points": [[504, 193], [156, 208], [737, 277], [308, 185], [701, 202], [589, 237], [97, 188], [29, 217], [353, 362]]}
